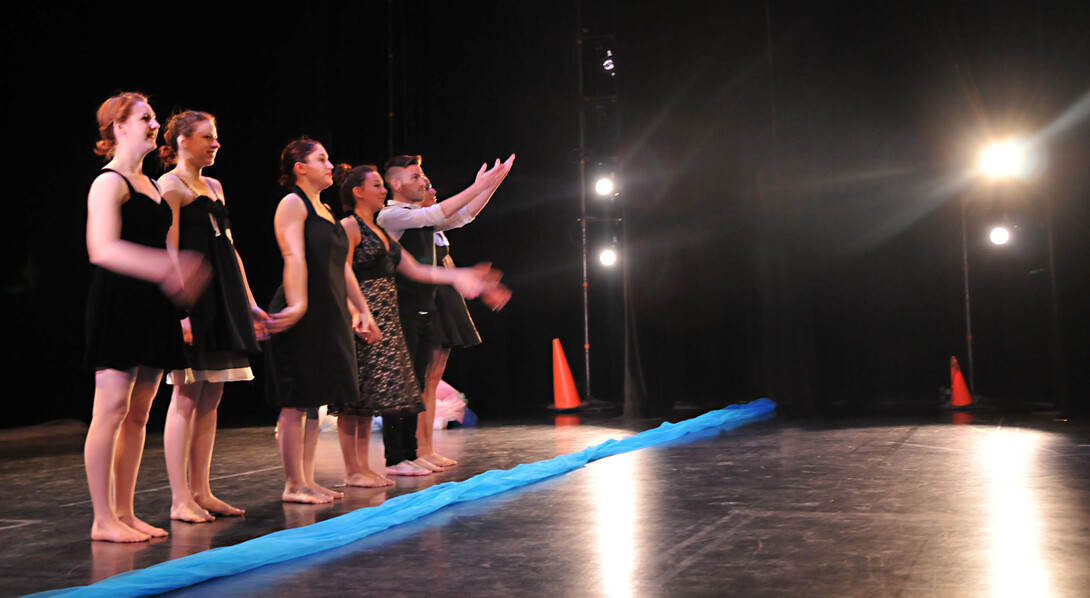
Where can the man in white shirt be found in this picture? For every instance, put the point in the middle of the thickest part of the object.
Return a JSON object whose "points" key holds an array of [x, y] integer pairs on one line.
{"points": [[414, 227]]}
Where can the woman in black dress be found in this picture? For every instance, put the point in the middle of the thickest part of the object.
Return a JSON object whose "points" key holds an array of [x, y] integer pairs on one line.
{"points": [[453, 328], [387, 384], [310, 359], [220, 329], [132, 327]]}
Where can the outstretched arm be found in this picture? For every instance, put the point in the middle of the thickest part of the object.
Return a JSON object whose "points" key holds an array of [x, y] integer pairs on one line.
{"points": [[449, 213], [479, 201], [469, 282]]}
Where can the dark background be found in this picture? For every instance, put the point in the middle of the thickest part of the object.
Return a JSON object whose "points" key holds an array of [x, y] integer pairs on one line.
{"points": [[791, 175]]}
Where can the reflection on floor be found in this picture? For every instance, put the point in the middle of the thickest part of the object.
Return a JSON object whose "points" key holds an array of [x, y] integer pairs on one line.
{"points": [[899, 507]]}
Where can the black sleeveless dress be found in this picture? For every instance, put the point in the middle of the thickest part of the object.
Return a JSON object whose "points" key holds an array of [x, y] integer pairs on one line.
{"points": [[129, 321], [453, 327], [313, 363], [388, 385], [223, 331]]}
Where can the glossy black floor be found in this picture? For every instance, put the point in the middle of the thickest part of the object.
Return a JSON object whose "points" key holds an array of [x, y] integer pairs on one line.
{"points": [[904, 506]]}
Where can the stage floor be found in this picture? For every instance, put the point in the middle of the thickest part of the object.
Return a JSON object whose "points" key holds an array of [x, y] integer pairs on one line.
{"points": [[908, 506]]}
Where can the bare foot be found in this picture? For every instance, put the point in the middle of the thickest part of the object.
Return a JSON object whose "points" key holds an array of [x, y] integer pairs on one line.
{"points": [[439, 460], [190, 513], [365, 480], [214, 505], [320, 489], [407, 468], [143, 527], [116, 531], [306, 496], [424, 463]]}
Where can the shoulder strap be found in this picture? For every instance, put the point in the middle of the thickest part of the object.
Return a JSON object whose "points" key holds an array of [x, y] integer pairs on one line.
{"points": [[132, 191], [191, 189], [303, 196]]}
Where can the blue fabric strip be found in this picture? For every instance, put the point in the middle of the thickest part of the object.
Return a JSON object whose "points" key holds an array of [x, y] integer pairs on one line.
{"points": [[345, 529]]}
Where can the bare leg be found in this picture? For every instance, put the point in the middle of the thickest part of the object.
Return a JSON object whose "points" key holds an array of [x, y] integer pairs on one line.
{"points": [[354, 433], [130, 449], [425, 422], [113, 389], [290, 435], [310, 451], [200, 453], [177, 436], [363, 441]]}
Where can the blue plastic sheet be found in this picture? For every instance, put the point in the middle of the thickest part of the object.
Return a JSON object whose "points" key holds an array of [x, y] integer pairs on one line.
{"points": [[336, 532]]}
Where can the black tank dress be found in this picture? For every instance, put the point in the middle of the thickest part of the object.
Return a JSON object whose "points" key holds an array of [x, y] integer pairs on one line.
{"points": [[313, 363], [454, 327], [223, 331], [129, 321]]}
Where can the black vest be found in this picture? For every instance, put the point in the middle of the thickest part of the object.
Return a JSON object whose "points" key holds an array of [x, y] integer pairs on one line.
{"points": [[414, 296]]}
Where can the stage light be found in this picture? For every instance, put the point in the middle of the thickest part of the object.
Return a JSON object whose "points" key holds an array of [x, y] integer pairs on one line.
{"points": [[608, 256], [604, 186], [1013, 158], [1000, 235], [607, 64]]}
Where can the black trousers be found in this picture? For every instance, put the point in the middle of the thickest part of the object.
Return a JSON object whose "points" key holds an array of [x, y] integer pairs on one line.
{"points": [[399, 433]]}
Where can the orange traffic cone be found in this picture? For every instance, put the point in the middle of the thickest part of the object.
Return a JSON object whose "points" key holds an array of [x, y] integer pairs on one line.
{"points": [[959, 392], [565, 396]]}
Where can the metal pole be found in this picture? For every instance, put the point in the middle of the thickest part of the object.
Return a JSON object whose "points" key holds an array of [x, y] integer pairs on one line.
{"points": [[968, 302], [583, 192]]}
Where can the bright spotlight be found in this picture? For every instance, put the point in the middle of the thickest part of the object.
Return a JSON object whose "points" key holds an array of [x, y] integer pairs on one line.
{"points": [[607, 64], [1000, 235], [604, 186], [1013, 158], [608, 256]]}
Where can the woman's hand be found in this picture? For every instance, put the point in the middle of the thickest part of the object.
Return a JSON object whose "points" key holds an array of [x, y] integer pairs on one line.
{"points": [[187, 331], [261, 322], [284, 319], [184, 285], [366, 328], [471, 282], [496, 297]]}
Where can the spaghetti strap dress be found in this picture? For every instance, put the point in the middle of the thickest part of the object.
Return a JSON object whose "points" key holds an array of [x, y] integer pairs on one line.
{"points": [[313, 363], [388, 385], [223, 331], [129, 321], [453, 327]]}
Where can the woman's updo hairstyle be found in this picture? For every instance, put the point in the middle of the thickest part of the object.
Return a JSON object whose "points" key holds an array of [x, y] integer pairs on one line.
{"points": [[115, 109], [348, 178], [181, 124], [296, 151]]}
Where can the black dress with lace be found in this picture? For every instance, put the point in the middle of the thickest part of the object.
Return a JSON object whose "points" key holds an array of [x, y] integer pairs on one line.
{"points": [[387, 383]]}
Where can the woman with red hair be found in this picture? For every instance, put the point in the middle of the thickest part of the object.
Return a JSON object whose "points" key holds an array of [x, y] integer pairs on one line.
{"points": [[132, 325]]}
